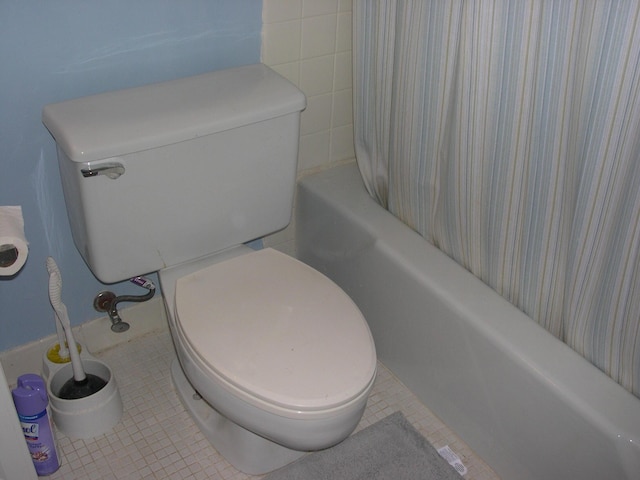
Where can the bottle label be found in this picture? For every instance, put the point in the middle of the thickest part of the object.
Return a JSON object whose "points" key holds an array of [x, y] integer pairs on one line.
{"points": [[31, 431], [38, 432], [30, 427]]}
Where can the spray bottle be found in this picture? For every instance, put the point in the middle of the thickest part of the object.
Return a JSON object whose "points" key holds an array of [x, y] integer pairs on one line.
{"points": [[31, 400]]}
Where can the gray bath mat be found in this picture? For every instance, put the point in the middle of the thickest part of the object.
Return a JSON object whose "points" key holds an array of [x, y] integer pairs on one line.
{"points": [[391, 449]]}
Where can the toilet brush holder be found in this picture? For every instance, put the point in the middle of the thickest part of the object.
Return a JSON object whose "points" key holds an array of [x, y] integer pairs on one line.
{"points": [[84, 417]]}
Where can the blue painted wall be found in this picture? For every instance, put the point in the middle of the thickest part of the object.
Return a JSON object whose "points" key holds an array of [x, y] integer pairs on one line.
{"points": [[55, 50]]}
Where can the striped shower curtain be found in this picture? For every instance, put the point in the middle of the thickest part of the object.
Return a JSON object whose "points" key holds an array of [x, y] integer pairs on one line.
{"points": [[507, 133]]}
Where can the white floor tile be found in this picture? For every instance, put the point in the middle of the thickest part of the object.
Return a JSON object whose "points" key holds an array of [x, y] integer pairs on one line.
{"points": [[156, 439]]}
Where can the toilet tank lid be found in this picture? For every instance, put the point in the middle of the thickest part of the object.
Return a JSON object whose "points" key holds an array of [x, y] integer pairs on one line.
{"points": [[127, 121]]}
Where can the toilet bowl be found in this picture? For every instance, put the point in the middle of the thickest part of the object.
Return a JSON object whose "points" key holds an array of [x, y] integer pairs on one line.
{"points": [[271, 345]]}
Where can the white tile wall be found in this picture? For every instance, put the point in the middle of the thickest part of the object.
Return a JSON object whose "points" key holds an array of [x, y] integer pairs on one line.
{"points": [[309, 43]]}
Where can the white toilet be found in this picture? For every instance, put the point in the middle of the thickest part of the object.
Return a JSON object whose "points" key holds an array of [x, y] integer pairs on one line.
{"points": [[274, 359]]}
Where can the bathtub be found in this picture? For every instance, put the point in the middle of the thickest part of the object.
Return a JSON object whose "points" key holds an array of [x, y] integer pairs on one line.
{"points": [[526, 403]]}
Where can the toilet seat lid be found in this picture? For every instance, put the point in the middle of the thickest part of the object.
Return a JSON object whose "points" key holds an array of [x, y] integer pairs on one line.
{"points": [[278, 330]]}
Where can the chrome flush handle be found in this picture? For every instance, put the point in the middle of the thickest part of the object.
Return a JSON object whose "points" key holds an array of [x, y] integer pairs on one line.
{"points": [[112, 170]]}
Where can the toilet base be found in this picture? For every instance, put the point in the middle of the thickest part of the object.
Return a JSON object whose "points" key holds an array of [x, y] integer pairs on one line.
{"points": [[246, 451]]}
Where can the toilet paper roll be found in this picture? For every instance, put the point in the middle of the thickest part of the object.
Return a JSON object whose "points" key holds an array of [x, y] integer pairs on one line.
{"points": [[13, 244]]}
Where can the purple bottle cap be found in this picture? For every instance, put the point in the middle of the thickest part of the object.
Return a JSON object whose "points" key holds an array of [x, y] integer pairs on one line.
{"points": [[30, 396]]}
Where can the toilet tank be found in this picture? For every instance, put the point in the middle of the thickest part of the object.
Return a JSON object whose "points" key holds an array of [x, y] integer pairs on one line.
{"points": [[161, 174]]}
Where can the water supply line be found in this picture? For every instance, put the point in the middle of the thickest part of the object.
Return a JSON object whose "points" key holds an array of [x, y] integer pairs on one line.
{"points": [[108, 302]]}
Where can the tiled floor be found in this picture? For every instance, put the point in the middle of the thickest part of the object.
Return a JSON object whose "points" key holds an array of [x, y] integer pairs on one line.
{"points": [[156, 439]]}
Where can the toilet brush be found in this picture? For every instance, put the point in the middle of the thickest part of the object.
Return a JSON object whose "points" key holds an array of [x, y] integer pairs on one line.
{"points": [[63, 351], [81, 384]]}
